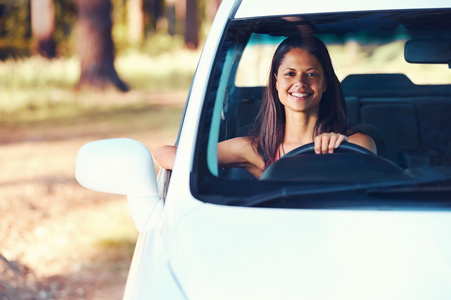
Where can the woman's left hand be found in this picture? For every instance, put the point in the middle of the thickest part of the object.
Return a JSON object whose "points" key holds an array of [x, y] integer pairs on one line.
{"points": [[328, 142]]}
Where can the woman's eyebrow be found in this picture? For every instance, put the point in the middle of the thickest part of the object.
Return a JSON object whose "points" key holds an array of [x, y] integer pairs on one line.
{"points": [[309, 69]]}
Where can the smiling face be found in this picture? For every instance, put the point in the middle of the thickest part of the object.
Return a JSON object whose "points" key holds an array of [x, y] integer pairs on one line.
{"points": [[300, 82]]}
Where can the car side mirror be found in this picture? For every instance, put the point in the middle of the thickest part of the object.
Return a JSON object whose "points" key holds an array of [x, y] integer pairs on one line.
{"points": [[124, 167]]}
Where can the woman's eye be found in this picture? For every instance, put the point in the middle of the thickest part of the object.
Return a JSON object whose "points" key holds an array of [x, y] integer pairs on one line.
{"points": [[312, 74], [290, 74]]}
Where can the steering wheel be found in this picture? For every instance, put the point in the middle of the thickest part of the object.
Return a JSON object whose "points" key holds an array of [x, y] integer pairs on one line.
{"points": [[294, 165], [344, 147], [302, 164]]}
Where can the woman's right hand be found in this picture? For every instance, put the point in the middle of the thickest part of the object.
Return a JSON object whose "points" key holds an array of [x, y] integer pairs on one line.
{"points": [[328, 142], [165, 156]]}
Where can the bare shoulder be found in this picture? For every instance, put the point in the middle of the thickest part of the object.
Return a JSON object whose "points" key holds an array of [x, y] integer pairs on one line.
{"points": [[363, 140]]}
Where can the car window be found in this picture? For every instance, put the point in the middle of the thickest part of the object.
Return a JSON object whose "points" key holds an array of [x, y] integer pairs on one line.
{"points": [[404, 106]]}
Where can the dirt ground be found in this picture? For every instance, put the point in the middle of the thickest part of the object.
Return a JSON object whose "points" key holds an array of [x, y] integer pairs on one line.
{"points": [[57, 239]]}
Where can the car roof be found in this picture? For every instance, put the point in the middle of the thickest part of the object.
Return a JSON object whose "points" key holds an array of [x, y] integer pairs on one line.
{"points": [[258, 8]]}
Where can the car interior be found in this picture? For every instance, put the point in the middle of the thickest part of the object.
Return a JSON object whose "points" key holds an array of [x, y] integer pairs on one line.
{"points": [[410, 122], [402, 116]]}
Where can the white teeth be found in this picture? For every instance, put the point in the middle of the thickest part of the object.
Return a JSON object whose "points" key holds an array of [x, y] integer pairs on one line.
{"points": [[300, 95]]}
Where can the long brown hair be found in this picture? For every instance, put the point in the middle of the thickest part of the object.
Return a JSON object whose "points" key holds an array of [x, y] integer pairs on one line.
{"points": [[269, 128]]}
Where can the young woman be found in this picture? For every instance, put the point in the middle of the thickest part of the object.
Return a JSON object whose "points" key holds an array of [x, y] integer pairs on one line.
{"points": [[303, 103]]}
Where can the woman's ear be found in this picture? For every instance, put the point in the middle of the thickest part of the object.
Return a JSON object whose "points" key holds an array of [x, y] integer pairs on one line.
{"points": [[277, 82]]}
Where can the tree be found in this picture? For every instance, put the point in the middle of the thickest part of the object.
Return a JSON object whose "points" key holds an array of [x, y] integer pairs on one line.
{"points": [[95, 45], [171, 16], [191, 25], [43, 26], [153, 8], [187, 14]]}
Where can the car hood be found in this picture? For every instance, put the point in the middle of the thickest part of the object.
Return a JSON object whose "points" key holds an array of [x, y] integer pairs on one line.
{"points": [[220, 252]]}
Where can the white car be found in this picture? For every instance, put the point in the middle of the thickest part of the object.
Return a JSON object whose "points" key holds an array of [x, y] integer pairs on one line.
{"points": [[348, 225]]}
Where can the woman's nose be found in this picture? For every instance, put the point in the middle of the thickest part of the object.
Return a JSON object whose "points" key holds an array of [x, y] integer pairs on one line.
{"points": [[300, 81]]}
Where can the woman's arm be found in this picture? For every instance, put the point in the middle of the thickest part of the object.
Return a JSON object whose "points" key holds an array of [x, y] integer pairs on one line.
{"points": [[238, 152], [235, 152]]}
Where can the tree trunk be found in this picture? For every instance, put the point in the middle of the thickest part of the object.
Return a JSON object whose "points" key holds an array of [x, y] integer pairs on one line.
{"points": [[43, 26], [135, 21], [171, 16], [191, 25], [95, 45], [153, 7]]}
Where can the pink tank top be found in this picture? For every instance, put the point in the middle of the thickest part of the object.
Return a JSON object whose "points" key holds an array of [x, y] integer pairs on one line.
{"points": [[276, 158]]}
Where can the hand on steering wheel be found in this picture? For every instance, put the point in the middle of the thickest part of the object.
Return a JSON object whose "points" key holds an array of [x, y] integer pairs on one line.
{"points": [[327, 142], [344, 147]]}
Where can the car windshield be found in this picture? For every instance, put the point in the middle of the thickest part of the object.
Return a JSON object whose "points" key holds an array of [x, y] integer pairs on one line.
{"points": [[394, 69]]}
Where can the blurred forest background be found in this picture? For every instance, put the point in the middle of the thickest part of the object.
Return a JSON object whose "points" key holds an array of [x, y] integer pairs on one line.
{"points": [[73, 71]]}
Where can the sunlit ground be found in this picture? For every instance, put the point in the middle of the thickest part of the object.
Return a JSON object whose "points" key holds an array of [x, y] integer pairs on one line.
{"points": [[65, 241]]}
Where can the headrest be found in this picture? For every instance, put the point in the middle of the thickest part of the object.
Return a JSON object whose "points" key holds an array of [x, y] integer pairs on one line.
{"points": [[376, 81]]}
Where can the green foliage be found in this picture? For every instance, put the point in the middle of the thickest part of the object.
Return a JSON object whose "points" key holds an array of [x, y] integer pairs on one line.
{"points": [[119, 30], [158, 44], [15, 29], [35, 89], [119, 241], [16, 38], [65, 18]]}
